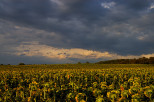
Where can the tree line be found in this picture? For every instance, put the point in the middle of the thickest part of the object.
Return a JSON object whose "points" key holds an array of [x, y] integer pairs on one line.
{"points": [[142, 60]]}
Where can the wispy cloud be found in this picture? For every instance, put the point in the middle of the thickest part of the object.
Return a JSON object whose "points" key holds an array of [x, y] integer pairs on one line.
{"points": [[108, 5]]}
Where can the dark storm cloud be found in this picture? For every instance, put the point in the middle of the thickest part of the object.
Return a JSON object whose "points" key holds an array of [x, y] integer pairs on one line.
{"points": [[15, 60], [135, 4], [25, 11], [124, 28]]}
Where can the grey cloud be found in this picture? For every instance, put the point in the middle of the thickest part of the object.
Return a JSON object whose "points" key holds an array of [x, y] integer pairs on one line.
{"points": [[81, 24], [14, 60], [138, 5]]}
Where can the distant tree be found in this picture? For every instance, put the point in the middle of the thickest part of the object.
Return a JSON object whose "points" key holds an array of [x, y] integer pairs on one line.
{"points": [[79, 62], [2, 64], [142, 60], [151, 60], [87, 62], [21, 63]]}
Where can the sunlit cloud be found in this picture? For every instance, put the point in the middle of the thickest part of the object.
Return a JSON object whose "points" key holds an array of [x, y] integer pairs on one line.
{"points": [[108, 5], [36, 49], [59, 4], [151, 7], [142, 37]]}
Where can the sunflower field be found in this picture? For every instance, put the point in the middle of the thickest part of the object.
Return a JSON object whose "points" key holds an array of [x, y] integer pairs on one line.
{"points": [[77, 83]]}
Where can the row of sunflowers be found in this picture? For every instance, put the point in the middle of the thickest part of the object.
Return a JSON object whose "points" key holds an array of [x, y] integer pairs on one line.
{"points": [[81, 84]]}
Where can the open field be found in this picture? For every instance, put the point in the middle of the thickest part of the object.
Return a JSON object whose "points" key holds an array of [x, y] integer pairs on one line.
{"points": [[77, 83]]}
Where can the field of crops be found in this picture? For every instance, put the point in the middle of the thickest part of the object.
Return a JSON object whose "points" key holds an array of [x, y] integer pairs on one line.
{"points": [[77, 83]]}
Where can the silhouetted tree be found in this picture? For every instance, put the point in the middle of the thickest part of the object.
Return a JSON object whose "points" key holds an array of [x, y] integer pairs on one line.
{"points": [[79, 62], [21, 63], [87, 62], [142, 60]]}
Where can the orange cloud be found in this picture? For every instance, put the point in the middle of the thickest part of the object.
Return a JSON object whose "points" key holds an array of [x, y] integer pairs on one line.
{"points": [[36, 49]]}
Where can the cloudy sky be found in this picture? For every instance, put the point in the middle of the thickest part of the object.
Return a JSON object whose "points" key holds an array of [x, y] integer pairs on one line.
{"points": [[68, 31]]}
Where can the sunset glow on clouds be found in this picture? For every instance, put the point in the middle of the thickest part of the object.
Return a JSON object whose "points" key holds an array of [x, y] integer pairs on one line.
{"points": [[35, 49]]}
